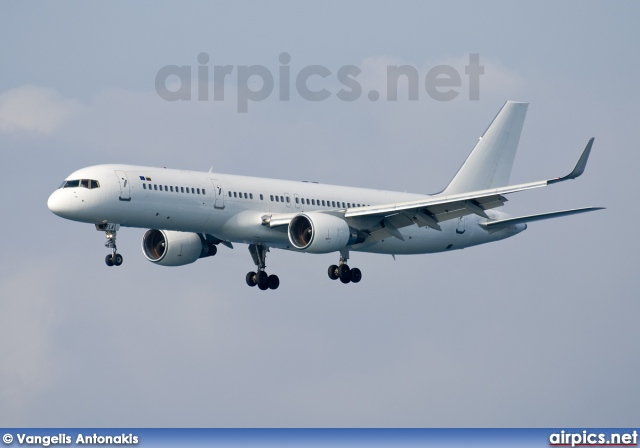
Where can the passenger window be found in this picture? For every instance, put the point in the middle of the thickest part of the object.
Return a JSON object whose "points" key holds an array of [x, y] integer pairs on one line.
{"points": [[229, 194], [297, 201], [250, 195], [193, 190], [155, 187], [323, 203], [261, 197], [171, 188], [235, 194], [313, 202], [333, 203], [245, 196], [271, 198], [144, 186], [344, 206], [287, 199], [198, 190], [277, 199], [166, 188], [281, 199], [307, 201]]}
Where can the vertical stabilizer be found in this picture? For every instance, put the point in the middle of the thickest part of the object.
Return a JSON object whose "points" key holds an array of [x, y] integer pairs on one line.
{"points": [[489, 164]]}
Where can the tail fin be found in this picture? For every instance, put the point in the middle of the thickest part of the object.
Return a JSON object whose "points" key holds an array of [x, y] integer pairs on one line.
{"points": [[489, 164]]}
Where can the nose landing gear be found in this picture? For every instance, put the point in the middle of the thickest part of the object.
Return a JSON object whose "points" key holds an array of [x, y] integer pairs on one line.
{"points": [[261, 278], [110, 230]]}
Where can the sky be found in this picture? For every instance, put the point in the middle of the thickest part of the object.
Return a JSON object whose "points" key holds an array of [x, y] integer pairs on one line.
{"points": [[539, 330]]}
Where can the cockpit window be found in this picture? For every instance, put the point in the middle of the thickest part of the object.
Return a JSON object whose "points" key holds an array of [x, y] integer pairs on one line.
{"points": [[85, 183], [71, 184]]}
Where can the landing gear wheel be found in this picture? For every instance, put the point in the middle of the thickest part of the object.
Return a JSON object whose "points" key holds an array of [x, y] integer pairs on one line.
{"points": [[333, 272], [345, 273], [274, 282], [109, 260], [260, 277], [263, 280], [356, 275], [117, 259]]}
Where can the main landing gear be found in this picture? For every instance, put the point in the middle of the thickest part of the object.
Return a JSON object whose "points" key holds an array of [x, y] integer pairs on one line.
{"points": [[261, 278], [343, 272], [110, 230]]}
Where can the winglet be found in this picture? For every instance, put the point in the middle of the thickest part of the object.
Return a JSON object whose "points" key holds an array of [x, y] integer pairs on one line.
{"points": [[580, 166]]}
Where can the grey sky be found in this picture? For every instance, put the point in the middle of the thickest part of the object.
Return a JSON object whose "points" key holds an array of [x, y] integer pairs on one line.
{"points": [[537, 330]]}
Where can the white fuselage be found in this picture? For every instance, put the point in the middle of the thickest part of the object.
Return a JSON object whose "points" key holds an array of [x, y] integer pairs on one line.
{"points": [[232, 208]]}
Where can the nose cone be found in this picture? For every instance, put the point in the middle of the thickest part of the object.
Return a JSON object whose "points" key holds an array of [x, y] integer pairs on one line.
{"points": [[60, 203]]}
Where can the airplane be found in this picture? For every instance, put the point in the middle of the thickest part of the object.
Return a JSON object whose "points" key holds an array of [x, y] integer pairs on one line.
{"points": [[189, 214]]}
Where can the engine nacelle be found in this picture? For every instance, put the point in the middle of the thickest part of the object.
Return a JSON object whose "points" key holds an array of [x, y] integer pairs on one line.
{"points": [[169, 248], [321, 233]]}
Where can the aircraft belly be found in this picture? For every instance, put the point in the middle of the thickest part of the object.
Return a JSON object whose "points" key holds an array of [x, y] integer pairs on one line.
{"points": [[246, 227], [424, 240]]}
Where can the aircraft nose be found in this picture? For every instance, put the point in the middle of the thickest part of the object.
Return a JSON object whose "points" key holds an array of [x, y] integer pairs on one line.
{"points": [[59, 203]]}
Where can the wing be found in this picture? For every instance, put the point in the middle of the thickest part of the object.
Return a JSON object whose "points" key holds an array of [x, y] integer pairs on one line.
{"points": [[383, 220], [430, 212]]}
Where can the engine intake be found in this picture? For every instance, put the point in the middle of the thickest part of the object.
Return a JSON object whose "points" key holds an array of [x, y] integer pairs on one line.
{"points": [[321, 233], [170, 248]]}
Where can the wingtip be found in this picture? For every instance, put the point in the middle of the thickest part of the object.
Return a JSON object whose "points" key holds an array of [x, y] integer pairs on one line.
{"points": [[578, 170]]}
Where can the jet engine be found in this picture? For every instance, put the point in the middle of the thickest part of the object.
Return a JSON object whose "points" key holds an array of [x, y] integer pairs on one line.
{"points": [[169, 248], [321, 233]]}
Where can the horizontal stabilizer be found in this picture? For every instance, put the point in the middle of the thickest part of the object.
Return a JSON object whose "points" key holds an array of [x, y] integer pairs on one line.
{"points": [[524, 219]]}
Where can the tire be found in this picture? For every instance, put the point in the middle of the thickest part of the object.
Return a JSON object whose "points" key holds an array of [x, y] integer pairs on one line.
{"points": [[108, 260], [117, 260], [274, 282], [263, 280], [251, 279], [345, 273], [356, 275], [333, 272]]}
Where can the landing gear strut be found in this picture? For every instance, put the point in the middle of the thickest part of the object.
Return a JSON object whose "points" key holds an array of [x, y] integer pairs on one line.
{"points": [[343, 272], [110, 230], [261, 278]]}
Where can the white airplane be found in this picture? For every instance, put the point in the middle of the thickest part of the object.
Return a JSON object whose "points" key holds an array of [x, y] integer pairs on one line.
{"points": [[190, 213]]}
